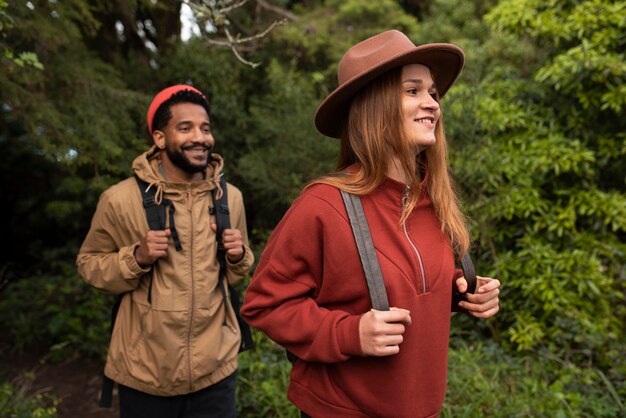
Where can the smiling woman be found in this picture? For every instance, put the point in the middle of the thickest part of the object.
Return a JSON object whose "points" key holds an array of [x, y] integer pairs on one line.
{"points": [[419, 105], [386, 114]]}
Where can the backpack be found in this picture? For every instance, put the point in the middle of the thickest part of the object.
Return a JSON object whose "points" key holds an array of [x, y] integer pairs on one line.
{"points": [[156, 217]]}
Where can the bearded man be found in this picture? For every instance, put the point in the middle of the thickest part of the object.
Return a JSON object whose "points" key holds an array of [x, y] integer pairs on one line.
{"points": [[174, 346]]}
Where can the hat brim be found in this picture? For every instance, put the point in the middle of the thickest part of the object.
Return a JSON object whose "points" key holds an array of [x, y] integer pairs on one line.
{"points": [[444, 60]]}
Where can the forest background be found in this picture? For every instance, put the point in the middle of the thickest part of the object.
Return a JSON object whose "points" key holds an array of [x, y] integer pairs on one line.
{"points": [[536, 126]]}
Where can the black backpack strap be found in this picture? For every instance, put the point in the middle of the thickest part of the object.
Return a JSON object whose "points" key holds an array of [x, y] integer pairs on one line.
{"points": [[470, 274], [367, 252], [156, 213], [222, 220], [106, 391]]}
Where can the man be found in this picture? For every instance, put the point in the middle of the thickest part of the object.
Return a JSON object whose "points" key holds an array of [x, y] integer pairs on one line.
{"points": [[174, 346]]}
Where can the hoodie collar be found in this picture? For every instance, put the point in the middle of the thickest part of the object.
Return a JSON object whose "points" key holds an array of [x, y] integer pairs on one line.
{"points": [[146, 167]]}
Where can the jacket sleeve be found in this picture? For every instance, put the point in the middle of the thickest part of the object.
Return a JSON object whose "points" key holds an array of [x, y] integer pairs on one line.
{"points": [[236, 271], [102, 260], [282, 298]]}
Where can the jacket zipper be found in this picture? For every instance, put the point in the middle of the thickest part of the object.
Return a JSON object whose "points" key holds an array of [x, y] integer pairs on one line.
{"points": [[405, 199], [193, 296]]}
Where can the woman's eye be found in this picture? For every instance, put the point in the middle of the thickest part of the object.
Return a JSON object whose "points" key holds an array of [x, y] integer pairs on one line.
{"points": [[433, 95], [412, 91]]}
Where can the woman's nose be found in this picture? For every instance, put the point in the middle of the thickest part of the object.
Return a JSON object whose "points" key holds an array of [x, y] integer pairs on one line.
{"points": [[430, 103]]}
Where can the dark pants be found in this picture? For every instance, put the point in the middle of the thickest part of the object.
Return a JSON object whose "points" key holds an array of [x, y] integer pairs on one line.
{"points": [[303, 415], [217, 401]]}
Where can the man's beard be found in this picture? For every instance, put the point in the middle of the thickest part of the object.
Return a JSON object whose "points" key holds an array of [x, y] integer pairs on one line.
{"points": [[178, 158]]}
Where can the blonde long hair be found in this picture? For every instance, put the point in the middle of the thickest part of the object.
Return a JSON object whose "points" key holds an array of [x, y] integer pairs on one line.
{"points": [[373, 133]]}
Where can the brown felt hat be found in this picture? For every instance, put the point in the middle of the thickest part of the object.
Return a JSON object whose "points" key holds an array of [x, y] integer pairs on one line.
{"points": [[376, 55]]}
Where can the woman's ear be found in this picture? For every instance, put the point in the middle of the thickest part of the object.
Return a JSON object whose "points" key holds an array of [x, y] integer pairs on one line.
{"points": [[159, 139]]}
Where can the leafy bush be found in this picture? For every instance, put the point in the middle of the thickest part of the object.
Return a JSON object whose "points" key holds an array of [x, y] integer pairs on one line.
{"points": [[60, 312], [263, 381], [484, 380], [16, 403]]}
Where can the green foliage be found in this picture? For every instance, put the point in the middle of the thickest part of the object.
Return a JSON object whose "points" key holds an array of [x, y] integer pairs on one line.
{"points": [[21, 59], [587, 38], [67, 131], [70, 316], [483, 380], [15, 402], [262, 381], [24, 59], [285, 150], [533, 162], [371, 17]]}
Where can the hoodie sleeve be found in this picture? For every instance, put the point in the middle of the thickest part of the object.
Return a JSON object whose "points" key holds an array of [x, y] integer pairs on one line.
{"points": [[236, 271], [101, 261], [301, 264]]}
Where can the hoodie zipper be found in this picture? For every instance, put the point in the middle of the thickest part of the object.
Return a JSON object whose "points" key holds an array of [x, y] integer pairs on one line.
{"points": [[193, 296], [405, 199]]}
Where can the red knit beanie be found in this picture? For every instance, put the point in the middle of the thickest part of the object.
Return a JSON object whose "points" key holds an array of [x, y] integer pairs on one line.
{"points": [[165, 95]]}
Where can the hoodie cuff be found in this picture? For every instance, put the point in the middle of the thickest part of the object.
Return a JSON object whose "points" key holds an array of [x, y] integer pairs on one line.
{"points": [[243, 256], [129, 263], [236, 271], [348, 336]]}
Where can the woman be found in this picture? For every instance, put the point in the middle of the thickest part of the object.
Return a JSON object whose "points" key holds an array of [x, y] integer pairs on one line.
{"points": [[309, 293]]}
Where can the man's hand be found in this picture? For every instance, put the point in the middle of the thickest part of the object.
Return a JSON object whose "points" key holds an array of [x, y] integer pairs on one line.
{"points": [[152, 247], [381, 331], [233, 243], [485, 302]]}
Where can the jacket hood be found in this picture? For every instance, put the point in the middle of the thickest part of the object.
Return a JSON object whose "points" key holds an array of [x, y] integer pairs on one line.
{"points": [[146, 167]]}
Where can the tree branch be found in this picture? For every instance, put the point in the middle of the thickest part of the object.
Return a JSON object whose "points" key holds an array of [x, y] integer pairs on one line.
{"points": [[278, 10], [216, 12], [237, 41]]}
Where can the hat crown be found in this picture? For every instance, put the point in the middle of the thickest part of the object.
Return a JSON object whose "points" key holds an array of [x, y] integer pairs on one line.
{"points": [[366, 54]]}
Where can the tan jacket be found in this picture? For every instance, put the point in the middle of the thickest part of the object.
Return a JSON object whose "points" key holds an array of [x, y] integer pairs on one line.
{"points": [[178, 343]]}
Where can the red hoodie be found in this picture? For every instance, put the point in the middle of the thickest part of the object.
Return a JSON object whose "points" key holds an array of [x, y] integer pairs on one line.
{"points": [[309, 291]]}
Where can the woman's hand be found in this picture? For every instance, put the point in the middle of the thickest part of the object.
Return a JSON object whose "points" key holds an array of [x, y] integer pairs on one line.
{"points": [[485, 302], [381, 331]]}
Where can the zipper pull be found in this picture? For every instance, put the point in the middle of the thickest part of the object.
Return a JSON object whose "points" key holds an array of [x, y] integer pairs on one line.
{"points": [[405, 198]]}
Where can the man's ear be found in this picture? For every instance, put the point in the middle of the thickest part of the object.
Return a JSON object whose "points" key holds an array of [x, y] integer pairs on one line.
{"points": [[159, 139]]}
